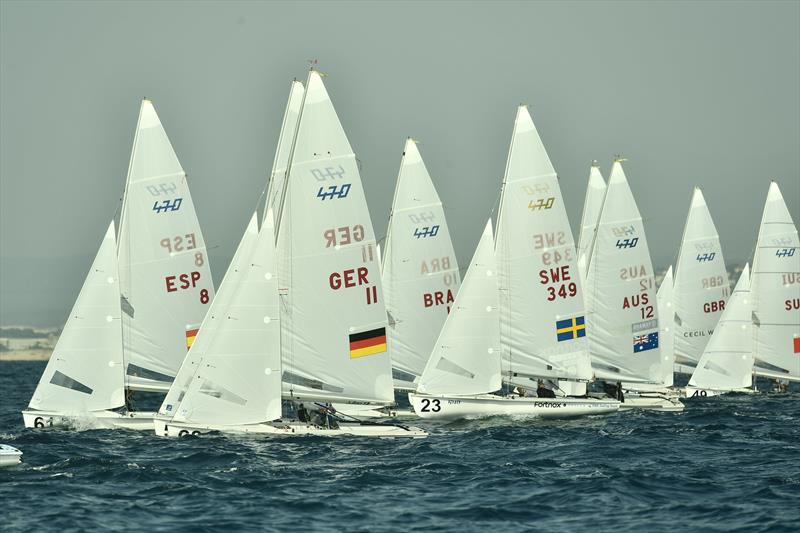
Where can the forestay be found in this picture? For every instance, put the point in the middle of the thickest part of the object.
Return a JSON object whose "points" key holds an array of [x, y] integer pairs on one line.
{"points": [[466, 357], [420, 272], [622, 308], [727, 361], [701, 283], [85, 371], [595, 192], [333, 314], [236, 364], [216, 318], [542, 327], [277, 176], [165, 280], [776, 292]]}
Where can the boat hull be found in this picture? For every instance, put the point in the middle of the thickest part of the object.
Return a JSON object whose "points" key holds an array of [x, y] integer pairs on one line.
{"points": [[167, 428], [652, 401], [484, 405], [9, 456], [138, 421], [694, 392]]}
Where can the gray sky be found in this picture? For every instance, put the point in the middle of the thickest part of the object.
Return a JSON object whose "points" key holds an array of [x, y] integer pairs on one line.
{"points": [[703, 93]]}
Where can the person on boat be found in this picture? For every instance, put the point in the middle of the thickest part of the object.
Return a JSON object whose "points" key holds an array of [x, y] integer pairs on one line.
{"points": [[543, 392], [519, 391], [620, 395], [302, 413], [129, 404], [330, 419]]}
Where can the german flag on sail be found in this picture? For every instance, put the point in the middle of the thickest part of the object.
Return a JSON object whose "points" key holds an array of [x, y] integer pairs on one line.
{"points": [[191, 333], [367, 343]]}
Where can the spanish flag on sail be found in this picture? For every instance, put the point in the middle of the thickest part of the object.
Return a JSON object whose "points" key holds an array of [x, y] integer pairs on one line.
{"points": [[367, 343], [191, 333]]}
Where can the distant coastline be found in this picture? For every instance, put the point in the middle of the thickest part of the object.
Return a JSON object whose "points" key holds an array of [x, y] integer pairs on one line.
{"points": [[25, 343]]}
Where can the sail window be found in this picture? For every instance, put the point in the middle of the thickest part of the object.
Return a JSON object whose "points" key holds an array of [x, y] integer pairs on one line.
{"points": [[446, 365], [294, 379], [62, 380], [216, 391], [139, 372]]}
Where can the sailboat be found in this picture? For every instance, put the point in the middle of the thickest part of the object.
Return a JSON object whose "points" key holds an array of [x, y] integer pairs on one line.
{"points": [[622, 311], [419, 270], [592, 205], [333, 317], [726, 364], [540, 310], [701, 285], [141, 303], [84, 376], [164, 273], [775, 292], [666, 312]]}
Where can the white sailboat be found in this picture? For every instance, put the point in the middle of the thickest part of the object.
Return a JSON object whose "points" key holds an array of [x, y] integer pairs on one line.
{"points": [[541, 309], [622, 309], [775, 292], [727, 361], [83, 382], [419, 270], [165, 279], [701, 284], [333, 317], [592, 205]]}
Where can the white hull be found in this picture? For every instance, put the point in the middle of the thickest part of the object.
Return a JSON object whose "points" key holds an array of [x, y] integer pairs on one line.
{"points": [[652, 401], [694, 392], [166, 428], [9, 456], [483, 405], [139, 421]]}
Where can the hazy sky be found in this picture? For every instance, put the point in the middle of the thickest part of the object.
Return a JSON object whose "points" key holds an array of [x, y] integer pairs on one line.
{"points": [[693, 93]]}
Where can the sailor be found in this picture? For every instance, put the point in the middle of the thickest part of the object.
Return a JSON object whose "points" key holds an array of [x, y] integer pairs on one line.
{"points": [[620, 396], [543, 392], [519, 391], [319, 417], [302, 413], [330, 419], [129, 405]]}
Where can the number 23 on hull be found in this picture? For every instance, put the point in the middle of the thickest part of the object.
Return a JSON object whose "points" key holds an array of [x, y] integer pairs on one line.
{"points": [[483, 405]]}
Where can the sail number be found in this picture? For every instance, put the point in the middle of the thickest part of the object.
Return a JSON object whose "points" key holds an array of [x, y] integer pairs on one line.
{"points": [[429, 406], [558, 281], [354, 277], [184, 282], [179, 243], [343, 235]]}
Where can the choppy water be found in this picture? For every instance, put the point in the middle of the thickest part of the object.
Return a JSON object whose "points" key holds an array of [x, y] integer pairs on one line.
{"points": [[729, 463]]}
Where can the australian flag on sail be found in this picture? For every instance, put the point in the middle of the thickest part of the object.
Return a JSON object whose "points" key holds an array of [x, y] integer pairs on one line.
{"points": [[642, 343], [570, 328]]}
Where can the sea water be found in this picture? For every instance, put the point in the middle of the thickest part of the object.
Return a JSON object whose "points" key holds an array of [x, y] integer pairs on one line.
{"points": [[729, 463]]}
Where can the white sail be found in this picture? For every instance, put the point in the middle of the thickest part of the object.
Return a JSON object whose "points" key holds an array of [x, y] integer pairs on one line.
{"points": [[165, 279], [85, 371], [277, 176], [727, 361], [420, 271], [237, 363], [701, 283], [622, 308], [666, 311], [333, 314], [466, 357], [595, 192], [775, 285], [214, 319], [542, 328]]}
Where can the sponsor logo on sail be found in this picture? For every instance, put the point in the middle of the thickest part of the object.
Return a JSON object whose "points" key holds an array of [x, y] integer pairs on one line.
{"points": [[644, 326], [367, 343], [570, 328]]}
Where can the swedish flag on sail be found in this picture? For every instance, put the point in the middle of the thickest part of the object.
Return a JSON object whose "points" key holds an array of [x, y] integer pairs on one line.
{"points": [[570, 328]]}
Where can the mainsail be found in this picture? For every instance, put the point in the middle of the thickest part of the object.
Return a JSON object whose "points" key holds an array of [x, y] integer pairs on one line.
{"points": [[775, 286], [277, 176], [622, 308], [333, 317], [727, 361], [85, 371], [420, 272], [466, 357], [592, 205], [233, 370], [165, 279], [701, 283], [542, 329]]}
